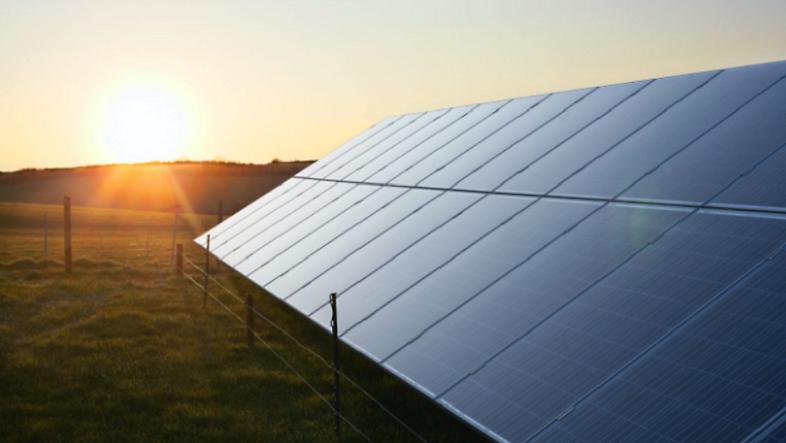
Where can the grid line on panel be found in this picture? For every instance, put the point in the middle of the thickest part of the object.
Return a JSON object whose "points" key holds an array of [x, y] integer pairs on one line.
{"points": [[671, 332], [358, 183], [632, 133], [418, 131], [235, 220], [643, 388], [216, 231], [388, 136], [411, 122], [486, 137], [625, 419], [552, 118], [283, 217], [671, 362], [383, 206], [720, 377], [420, 207], [474, 371], [507, 220], [392, 121], [567, 197], [555, 147], [536, 325], [376, 184], [317, 228], [440, 114], [544, 123], [761, 433], [278, 219]]}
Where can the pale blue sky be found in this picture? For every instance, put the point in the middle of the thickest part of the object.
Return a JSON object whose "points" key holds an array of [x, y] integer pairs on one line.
{"points": [[257, 80]]}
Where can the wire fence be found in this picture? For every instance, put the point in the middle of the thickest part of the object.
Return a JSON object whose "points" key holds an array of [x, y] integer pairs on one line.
{"points": [[305, 348], [136, 239]]}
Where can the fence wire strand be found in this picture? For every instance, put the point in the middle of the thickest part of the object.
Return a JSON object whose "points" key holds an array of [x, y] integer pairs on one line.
{"points": [[283, 360], [312, 352]]}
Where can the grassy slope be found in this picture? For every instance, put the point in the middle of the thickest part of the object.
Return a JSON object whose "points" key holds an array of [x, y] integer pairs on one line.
{"points": [[121, 350]]}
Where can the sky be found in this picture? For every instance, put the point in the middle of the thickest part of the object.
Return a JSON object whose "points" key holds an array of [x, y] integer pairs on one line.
{"points": [[87, 82]]}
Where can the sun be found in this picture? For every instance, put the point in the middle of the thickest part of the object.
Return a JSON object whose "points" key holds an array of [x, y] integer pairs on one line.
{"points": [[143, 123]]}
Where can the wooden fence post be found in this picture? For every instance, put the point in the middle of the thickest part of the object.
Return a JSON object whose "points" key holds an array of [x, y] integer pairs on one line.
{"points": [[174, 237], [336, 366], [179, 258], [67, 231], [207, 272], [46, 235], [249, 320], [219, 219]]}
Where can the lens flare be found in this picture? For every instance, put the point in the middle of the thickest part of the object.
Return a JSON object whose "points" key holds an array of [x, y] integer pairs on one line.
{"points": [[143, 124]]}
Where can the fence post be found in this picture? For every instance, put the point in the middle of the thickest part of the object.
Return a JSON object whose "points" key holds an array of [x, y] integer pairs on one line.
{"points": [[207, 272], [336, 366], [46, 235], [249, 320], [147, 237], [219, 219], [67, 231], [179, 258], [174, 237]]}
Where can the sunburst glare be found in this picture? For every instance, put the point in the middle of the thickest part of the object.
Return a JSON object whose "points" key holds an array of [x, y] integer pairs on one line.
{"points": [[143, 123]]}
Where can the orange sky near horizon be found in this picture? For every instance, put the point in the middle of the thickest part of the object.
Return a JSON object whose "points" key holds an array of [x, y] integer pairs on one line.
{"points": [[86, 82]]}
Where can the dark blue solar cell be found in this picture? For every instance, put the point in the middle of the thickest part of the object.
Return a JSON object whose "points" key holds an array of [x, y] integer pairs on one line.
{"points": [[383, 285], [460, 278], [764, 187], [259, 222], [380, 206], [434, 131], [400, 125], [719, 377], [571, 122], [466, 141], [545, 371], [287, 232], [234, 250], [339, 273], [302, 192], [345, 149], [346, 168], [435, 146], [774, 430], [372, 218], [708, 106], [707, 166], [520, 128], [260, 204], [479, 327], [600, 136]]}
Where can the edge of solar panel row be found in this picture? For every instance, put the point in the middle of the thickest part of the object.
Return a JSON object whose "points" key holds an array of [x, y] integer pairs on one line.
{"points": [[601, 264]]}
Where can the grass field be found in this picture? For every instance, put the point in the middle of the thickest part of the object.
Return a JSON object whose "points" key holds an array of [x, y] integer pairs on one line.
{"points": [[121, 349]]}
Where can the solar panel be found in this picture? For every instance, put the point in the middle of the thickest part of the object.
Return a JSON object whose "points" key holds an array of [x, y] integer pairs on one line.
{"points": [[592, 265]]}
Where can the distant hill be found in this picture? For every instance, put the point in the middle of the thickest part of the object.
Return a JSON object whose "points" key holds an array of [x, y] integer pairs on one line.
{"points": [[159, 186]]}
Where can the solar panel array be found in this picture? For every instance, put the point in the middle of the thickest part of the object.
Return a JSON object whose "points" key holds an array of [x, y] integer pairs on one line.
{"points": [[594, 265]]}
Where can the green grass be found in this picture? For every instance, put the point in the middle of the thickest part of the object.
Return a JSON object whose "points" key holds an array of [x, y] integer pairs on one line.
{"points": [[121, 349]]}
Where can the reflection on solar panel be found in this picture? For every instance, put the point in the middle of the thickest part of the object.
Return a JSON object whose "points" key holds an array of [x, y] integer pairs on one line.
{"points": [[602, 264]]}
